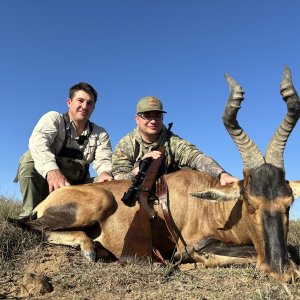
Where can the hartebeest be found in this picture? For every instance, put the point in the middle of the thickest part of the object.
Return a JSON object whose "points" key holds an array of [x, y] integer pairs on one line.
{"points": [[252, 212]]}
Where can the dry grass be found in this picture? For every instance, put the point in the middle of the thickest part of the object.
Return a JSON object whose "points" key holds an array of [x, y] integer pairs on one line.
{"points": [[73, 277], [13, 240]]}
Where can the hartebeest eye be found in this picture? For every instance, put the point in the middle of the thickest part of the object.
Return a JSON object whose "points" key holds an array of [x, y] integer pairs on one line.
{"points": [[254, 201], [253, 204]]}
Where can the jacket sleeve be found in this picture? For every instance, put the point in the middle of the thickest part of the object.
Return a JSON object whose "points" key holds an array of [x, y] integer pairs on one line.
{"points": [[187, 154], [41, 139], [103, 153], [122, 159]]}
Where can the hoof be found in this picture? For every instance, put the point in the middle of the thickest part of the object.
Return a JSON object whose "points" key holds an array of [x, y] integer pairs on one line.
{"points": [[188, 267], [124, 260], [186, 255], [90, 255]]}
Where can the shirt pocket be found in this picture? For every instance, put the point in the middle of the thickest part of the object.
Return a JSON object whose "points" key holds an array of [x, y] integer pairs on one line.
{"points": [[89, 152]]}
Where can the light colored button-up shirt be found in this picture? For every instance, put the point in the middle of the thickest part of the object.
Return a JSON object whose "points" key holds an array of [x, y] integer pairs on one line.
{"points": [[47, 140]]}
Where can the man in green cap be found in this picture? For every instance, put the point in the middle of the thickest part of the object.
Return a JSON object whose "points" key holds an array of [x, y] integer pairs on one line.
{"points": [[144, 140]]}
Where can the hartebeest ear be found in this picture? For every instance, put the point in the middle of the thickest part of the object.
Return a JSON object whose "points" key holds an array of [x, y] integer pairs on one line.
{"points": [[222, 193], [295, 186]]}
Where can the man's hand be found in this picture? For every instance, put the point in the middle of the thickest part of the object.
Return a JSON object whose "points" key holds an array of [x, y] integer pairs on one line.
{"points": [[153, 154], [104, 176], [225, 179], [56, 179]]}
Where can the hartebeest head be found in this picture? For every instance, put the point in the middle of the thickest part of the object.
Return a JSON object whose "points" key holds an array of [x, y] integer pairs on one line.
{"points": [[265, 193]]}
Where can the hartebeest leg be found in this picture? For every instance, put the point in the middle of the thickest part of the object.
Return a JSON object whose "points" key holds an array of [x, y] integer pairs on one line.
{"points": [[74, 207], [67, 212], [212, 260], [76, 239], [212, 252]]}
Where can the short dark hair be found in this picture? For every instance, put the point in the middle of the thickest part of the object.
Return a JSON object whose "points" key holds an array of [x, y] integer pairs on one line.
{"points": [[83, 86]]}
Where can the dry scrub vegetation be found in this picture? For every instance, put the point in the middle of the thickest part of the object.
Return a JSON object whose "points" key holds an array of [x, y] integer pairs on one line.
{"points": [[31, 268]]}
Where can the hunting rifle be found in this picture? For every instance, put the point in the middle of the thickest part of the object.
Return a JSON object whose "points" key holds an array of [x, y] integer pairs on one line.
{"points": [[129, 198], [138, 239], [145, 178]]}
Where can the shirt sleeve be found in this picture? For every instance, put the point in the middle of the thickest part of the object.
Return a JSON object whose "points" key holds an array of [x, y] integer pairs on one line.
{"points": [[103, 153], [122, 161], [41, 139], [187, 154]]}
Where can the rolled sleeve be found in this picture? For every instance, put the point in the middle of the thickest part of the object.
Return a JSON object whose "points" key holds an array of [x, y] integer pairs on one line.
{"points": [[41, 140], [187, 154], [103, 153]]}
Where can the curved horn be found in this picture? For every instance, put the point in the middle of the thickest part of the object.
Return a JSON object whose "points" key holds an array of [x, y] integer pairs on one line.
{"points": [[275, 149], [250, 153]]}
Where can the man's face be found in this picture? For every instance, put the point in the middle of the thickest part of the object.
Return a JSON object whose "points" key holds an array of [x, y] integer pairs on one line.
{"points": [[81, 106], [150, 123]]}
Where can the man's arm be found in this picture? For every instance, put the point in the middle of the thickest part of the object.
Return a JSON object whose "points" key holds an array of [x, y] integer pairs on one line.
{"points": [[122, 163], [187, 154], [42, 148], [103, 155], [41, 141]]}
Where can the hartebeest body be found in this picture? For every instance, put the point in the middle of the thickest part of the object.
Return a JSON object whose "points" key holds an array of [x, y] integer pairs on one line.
{"points": [[252, 212]]}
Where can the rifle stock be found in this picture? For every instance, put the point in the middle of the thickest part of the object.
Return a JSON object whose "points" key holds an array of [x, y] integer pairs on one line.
{"points": [[138, 239], [148, 182]]}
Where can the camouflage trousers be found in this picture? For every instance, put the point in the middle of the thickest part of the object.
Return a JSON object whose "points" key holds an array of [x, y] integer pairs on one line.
{"points": [[33, 186]]}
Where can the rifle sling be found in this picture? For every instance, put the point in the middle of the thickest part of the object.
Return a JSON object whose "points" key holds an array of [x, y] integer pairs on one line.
{"points": [[162, 194]]}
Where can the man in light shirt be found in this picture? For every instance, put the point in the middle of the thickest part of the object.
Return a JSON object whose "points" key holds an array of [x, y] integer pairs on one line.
{"points": [[61, 147]]}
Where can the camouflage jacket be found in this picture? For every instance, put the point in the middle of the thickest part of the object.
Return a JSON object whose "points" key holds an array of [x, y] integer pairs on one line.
{"points": [[180, 152]]}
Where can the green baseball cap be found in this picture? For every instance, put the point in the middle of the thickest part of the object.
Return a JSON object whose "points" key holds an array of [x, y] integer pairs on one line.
{"points": [[149, 103]]}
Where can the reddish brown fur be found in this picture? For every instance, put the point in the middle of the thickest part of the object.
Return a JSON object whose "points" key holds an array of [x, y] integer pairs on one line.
{"points": [[228, 221], [251, 212]]}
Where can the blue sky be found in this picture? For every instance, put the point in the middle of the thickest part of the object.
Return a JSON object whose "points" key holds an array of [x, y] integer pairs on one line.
{"points": [[175, 50]]}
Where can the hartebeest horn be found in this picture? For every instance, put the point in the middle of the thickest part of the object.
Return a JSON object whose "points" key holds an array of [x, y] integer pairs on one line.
{"points": [[250, 153], [275, 149]]}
